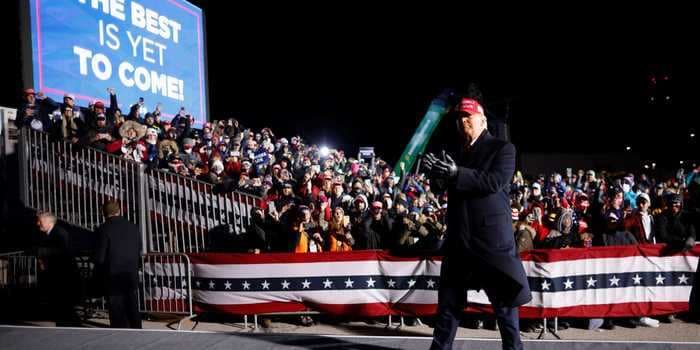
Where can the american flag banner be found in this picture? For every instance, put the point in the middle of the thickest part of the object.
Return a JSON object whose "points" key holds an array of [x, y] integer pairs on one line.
{"points": [[580, 282]]}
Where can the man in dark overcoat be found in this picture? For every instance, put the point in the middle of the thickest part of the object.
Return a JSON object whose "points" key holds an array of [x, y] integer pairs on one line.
{"points": [[118, 256], [479, 251]]}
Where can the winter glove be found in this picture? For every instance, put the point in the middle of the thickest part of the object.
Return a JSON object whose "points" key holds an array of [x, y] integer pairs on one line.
{"points": [[444, 168], [689, 244]]}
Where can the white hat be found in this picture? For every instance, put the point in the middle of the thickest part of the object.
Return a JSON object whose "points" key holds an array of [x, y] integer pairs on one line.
{"points": [[643, 196]]}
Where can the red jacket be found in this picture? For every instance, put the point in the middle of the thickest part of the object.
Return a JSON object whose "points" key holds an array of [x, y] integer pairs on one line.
{"points": [[633, 225]]}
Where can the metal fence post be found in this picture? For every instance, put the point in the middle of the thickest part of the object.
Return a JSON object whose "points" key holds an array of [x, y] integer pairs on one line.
{"points": [[23, 157], [144, 215]]}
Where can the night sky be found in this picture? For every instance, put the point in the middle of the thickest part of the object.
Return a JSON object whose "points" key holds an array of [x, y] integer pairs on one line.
{"points": [[365, 78]]}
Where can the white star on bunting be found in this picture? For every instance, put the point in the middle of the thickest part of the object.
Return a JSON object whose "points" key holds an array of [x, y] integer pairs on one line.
{"points": [[660, 279], [545, 285], [637, 279], [614, 281]]}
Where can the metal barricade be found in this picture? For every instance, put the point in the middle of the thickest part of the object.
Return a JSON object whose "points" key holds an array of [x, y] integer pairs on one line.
{"points": [[18, 271], [93, 304], [174, 212], [165, 285]]}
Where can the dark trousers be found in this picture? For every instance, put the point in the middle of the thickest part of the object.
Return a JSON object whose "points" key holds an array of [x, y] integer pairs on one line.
{"points": [[452, 299], [124, 310]]}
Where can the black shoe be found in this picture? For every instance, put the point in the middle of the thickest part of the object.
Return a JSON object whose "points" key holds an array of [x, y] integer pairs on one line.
{"points": [[410, 321], [608, 324], [628, 323]]}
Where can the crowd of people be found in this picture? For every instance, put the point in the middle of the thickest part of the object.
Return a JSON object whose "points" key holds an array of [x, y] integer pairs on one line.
{"points": [[317, 200]]}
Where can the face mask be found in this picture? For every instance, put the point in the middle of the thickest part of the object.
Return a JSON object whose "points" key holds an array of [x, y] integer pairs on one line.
{"points": [[626, 188]]}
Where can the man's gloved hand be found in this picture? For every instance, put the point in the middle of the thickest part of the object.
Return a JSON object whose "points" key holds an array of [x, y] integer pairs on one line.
{"points": [[445, 168], [427, 163], [689, 243]]}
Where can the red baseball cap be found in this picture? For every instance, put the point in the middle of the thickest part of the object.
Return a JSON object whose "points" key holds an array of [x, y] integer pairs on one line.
{"points": [[471, 106]]}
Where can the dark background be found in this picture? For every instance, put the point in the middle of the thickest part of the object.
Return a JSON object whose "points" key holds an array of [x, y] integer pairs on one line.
{"points": [[364, 77]]}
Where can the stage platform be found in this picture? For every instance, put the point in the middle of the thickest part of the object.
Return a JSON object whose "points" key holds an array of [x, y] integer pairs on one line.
{"points": [[29, 337]]}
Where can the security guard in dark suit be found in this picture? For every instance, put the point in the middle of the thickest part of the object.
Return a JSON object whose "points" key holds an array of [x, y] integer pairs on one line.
{"points": [[479, 249], [59, 273], [118, 255]]}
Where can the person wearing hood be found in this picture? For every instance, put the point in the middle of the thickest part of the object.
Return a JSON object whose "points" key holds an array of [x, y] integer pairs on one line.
{"points": [[69, 127], [359, 209], [217, 175], [151, 143], [130, 145], [375, 230], [402, 235], [536, 194], [166, 149], [563, 234], [101, 133], [189, 158], [674, 226], [339, 234]]}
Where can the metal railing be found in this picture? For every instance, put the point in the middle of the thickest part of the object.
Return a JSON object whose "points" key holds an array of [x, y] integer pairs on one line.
{"points": [[165, 285], [73, 181], [173, 212], [183, 209], [18, 271]]}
